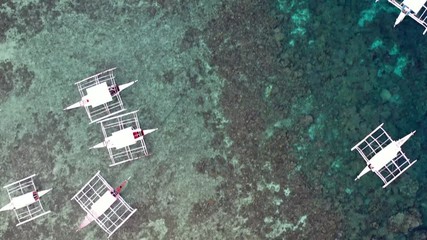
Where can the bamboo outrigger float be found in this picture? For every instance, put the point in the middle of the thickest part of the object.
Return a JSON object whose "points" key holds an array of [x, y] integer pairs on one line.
{"points": [[103, 204], [100, 95], [383, 155], [25, 200]]}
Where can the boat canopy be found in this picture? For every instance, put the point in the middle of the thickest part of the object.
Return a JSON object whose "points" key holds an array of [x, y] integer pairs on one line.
{"points": [[99, 94]]}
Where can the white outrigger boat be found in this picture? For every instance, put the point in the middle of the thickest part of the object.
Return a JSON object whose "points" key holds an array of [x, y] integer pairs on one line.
{"points": [[123, 138], [25, 200], [100, 95], [103, 204], [383, 155], [416, 9]]}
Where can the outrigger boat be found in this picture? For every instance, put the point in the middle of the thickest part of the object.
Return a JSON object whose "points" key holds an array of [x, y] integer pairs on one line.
{"points": [[383, 155], [25, 200], [103, 204], [100, 95], [123, 138], [416, 9]]}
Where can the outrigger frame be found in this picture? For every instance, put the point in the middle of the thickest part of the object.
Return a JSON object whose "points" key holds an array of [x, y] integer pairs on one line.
{"points": [[130, 152], [32, 211], [407, 8], [104, 110], [383, 155], [116, 215]]}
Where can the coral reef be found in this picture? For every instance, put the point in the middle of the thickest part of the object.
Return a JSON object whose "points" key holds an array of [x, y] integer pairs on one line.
{"points": [[258, 104], [403, 222]]}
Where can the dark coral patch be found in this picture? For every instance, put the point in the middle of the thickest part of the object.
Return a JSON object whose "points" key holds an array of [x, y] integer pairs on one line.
{"points": [[108, 12], [214, 167], [168, 76], [6, 78], [190, 39], [32, 22], [29, 19], [201, 211], [6, 23], [24, 79], [14, 78]]}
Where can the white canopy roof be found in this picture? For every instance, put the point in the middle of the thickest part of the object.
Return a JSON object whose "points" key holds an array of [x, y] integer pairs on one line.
{"points": [[414, 5], [99, 94], [122, 138]]}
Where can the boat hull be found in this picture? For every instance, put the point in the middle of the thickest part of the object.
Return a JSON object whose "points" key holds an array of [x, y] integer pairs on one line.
{"points": [[98, 208], [364, 171], [126, 85], [88, 219], [23, 200], [75, 105], [84, 100], [400, 18], [149, 131], [99, 145], [8, 206]]}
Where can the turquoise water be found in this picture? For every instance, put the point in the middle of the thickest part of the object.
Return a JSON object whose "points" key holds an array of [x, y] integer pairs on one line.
{"points": [[258, 104]]}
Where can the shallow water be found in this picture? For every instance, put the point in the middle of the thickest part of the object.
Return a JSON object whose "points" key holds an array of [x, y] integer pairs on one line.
{"points": [[258, 104]]}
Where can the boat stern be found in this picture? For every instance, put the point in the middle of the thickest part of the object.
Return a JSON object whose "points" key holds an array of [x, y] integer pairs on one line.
{"points": [[126, 85], [364, 171], [99, 145], [88, 219], [399, 19], [41, 193], [7, 207], [145, 132], [75, 105]]}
